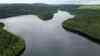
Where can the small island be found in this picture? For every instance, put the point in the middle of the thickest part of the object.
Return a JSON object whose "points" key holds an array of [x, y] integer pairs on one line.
{"points": [[10, 44]]}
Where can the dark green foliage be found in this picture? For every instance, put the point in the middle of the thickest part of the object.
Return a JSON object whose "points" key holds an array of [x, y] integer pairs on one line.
{"points": [[91, 10], [44, 11], [10, 45], [1, 25], [86, 22], [89, 25]]}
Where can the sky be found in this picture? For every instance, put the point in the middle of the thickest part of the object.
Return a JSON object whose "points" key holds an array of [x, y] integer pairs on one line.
{"points": [[53, 1]]}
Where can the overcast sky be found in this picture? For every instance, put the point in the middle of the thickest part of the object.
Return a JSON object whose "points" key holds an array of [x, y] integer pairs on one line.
{"points": [[53, 1]]}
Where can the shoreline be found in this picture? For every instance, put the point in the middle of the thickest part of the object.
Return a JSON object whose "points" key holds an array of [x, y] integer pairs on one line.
{"points": [[82, 34]]}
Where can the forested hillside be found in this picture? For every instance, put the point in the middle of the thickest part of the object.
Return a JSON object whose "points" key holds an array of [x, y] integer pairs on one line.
{"points": [[44, 11]]}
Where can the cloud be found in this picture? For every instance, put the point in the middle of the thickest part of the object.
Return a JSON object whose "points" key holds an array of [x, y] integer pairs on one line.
{"points": [[53, 1]]}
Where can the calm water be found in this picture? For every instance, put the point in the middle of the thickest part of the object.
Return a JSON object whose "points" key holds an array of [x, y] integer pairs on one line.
{"points": [[48, 38]]}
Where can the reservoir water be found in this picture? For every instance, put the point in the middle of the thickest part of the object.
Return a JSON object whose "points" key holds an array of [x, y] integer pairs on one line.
{"points": [[48, 38]]}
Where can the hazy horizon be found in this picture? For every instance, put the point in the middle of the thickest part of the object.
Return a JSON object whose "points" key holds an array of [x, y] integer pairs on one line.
{"points": [[53, 1]]}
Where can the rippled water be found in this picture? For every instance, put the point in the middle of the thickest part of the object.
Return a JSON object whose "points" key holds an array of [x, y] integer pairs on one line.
{"points": [[48, 38]]}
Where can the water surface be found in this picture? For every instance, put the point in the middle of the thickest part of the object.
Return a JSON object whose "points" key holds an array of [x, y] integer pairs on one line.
{"points": [[48, 38]]}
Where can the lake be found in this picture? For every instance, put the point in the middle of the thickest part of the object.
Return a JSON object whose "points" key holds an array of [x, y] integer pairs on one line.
{"points": [[48, 38]]}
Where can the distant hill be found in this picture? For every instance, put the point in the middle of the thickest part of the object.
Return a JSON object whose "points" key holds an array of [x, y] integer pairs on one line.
{"points": [[44, 11], [91, 7], [88, 10]]}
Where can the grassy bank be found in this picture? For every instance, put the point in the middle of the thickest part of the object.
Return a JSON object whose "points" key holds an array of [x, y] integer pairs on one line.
{"points": [[10, 45]]}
